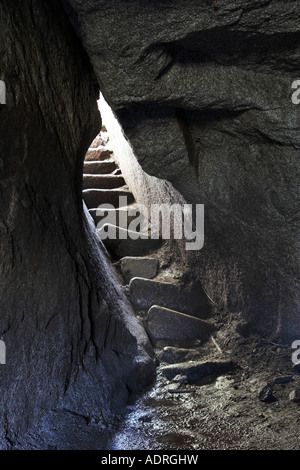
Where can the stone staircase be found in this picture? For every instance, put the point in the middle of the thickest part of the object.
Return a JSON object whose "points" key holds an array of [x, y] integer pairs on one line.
{"points": [[103, 183], [173, 315]]}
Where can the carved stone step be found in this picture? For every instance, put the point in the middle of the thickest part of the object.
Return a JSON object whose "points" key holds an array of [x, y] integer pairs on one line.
{"points": [[198, 370], [99, 168], [132, 266], [124, 245], [116, 216], [102, 181], [95, 197], [166, 326], [144, 293], [93, 155]]}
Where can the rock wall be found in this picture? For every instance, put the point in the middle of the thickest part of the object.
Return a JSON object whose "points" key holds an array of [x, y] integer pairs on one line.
{"points": [[147, 189], [203, 92], [73, 346]]}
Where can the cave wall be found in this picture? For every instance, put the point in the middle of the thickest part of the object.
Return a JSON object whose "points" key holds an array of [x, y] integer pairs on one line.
{"points": [[203, 92], [75, 351]]}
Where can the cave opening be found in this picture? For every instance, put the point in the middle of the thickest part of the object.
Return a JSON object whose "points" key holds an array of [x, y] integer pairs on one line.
{"points": [[126, 202], [106, 192]]}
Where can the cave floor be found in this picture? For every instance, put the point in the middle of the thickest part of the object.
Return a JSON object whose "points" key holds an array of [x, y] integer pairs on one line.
{"points": [[221, 413]]}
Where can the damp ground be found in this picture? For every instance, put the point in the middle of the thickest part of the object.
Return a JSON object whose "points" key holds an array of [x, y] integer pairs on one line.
{"points": [[251, 407]]}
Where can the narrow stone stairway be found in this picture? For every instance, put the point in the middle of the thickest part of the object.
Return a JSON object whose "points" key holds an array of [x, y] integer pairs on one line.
{"points": [[103, 182], [175, 317], [172, 313]]}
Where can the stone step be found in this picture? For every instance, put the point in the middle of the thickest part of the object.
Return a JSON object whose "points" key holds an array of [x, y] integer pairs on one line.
{"points": [[125, 245], [117, 215], [98, 154], [117, 171], [102, 181], [197, 370], [132, 266], [95, 197], [99, 168], [121, 217], [145, 292], [166, 326], [172, 355]]}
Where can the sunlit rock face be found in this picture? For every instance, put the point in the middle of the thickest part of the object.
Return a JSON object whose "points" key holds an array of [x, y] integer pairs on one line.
{"points": [[203, 91], [74, 350]]}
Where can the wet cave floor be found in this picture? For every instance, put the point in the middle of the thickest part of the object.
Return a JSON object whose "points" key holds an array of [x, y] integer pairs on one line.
{"points": [[249, 408]]}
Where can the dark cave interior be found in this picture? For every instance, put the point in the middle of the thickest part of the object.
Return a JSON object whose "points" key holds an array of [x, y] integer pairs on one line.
{"points": [[195, 109]]}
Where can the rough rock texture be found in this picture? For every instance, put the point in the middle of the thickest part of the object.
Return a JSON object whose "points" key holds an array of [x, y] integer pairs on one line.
{"points": [[171, 327], [195, 371], [171, 354], [146, 292], [138, 267], [74, 348], [295, 396], [203, 91]]}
